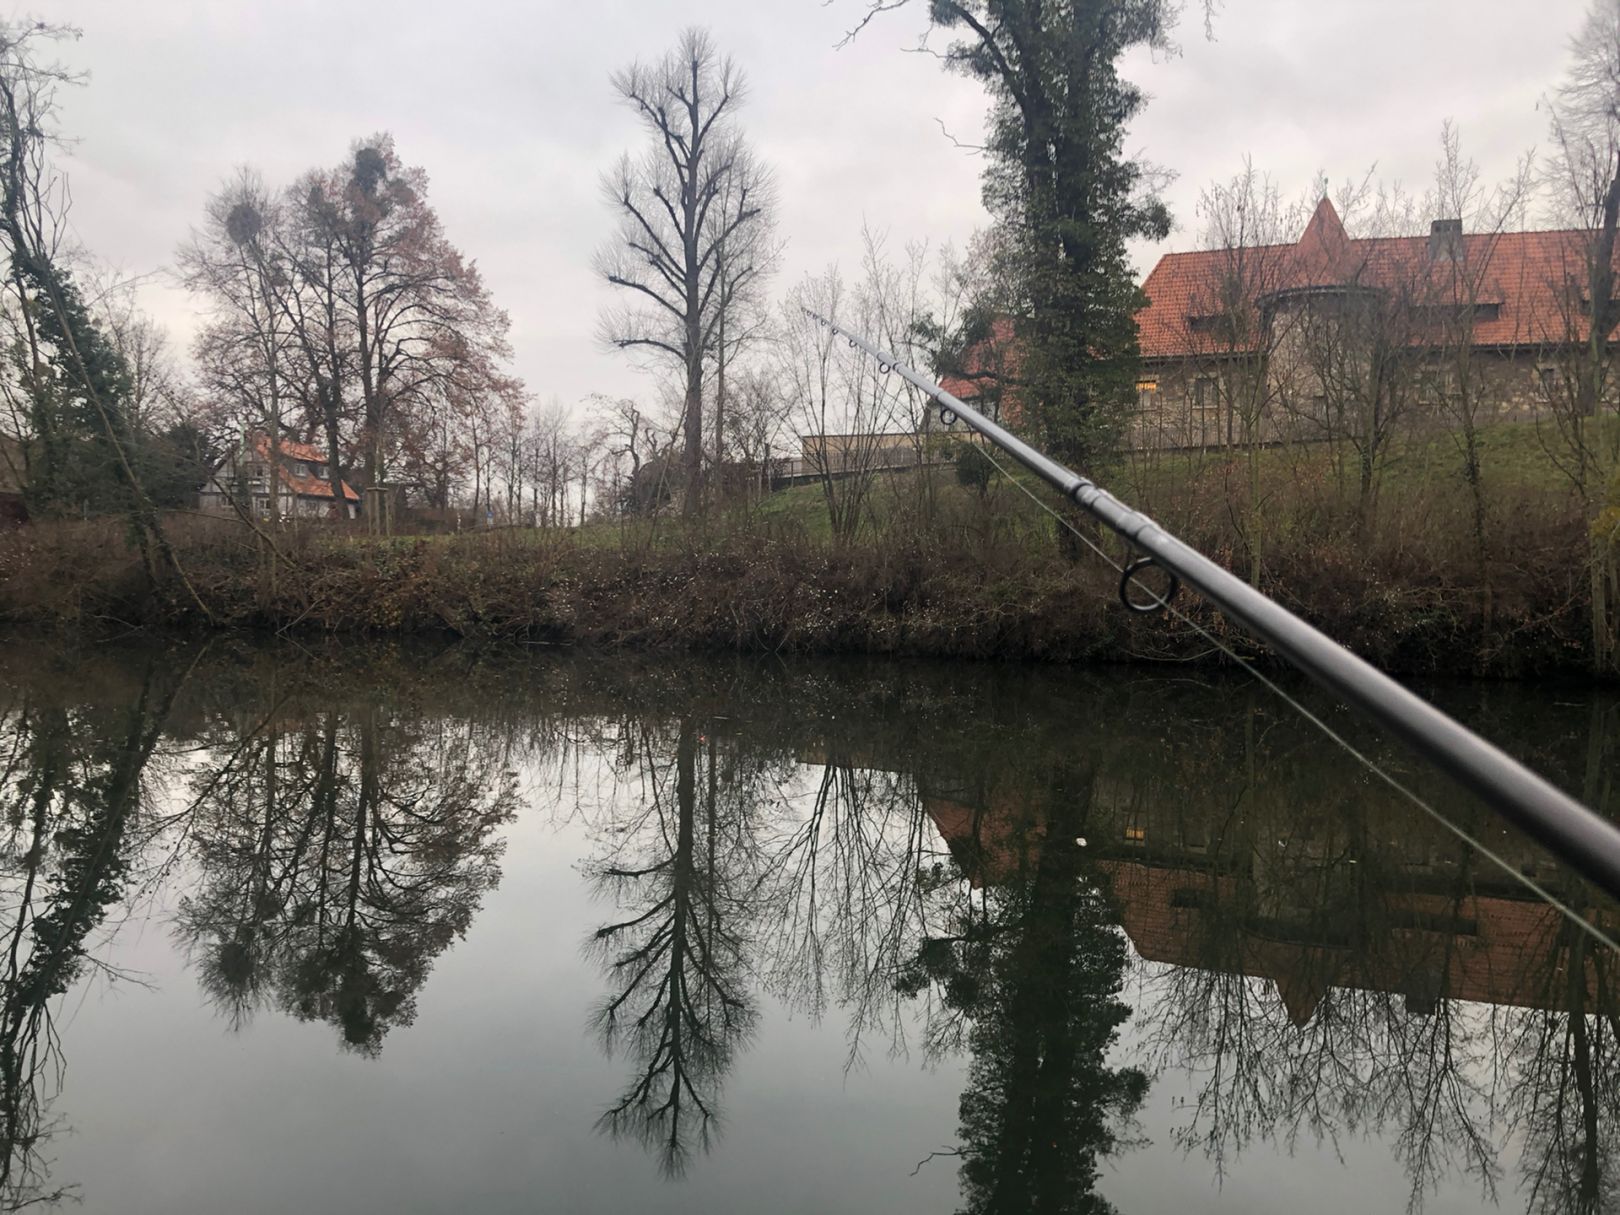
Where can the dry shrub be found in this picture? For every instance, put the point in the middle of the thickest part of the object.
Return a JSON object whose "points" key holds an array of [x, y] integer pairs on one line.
{"points": [[965, 578]]}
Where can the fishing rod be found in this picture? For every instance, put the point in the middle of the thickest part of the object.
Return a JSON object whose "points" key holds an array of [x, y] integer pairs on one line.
{"points": [[1572, 832]]}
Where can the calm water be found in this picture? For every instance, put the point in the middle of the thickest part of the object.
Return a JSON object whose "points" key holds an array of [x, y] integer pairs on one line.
{"points": [[434, 930]]}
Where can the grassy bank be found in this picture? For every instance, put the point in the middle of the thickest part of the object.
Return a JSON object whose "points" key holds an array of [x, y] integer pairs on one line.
{"points": [[936, 570]]}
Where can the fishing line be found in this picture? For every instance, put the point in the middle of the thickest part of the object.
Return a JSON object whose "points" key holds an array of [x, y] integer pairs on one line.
{"points": [[1350, 748]]}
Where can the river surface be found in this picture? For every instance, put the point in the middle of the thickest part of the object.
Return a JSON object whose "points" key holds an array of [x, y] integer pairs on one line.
{"points": [[380, 929]]}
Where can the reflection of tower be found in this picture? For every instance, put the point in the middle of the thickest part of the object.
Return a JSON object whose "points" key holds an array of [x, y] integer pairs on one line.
{"points": [[1038, 979]]}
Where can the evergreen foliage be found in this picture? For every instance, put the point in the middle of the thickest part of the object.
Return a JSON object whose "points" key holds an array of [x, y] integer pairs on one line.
{"points": [[78, 402], [1066, 196]]}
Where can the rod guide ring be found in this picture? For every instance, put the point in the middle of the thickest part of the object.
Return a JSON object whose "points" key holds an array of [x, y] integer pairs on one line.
{"points": [[1158, 602]]}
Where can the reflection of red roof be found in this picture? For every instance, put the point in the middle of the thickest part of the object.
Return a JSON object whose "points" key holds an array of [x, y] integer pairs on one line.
{"points": [[1477, 947], [1506, 953], [1524, 274], [292, 452]]}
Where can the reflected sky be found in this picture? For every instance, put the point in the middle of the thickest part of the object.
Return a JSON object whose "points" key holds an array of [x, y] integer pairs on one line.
{"points": [[377, 929]]}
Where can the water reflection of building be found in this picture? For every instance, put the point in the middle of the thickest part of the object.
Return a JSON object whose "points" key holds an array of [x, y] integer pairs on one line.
{"points": [[1329, 901]]}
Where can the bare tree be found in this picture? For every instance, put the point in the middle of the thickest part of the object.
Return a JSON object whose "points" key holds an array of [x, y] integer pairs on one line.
{"points": [[694, 216], [1358, 333], [1585, 176], [755, 423], [417, 313], [635, 447], [1234, 339], [1464, 285], [236, 264], [841, 405]]}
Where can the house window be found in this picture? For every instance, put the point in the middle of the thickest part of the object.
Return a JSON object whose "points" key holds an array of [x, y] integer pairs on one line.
{"points": [[1135, 828], [300, 469], [1206, 409], [1206, 394], [1146, 393], [1547, 377], [1431, 386]]}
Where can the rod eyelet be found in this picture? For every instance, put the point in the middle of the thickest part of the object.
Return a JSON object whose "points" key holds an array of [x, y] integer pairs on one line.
{"points": [[1145, 607]]}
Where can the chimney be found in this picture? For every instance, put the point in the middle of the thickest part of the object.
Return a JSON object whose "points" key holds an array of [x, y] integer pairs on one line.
{"points": [[1445, 239]]}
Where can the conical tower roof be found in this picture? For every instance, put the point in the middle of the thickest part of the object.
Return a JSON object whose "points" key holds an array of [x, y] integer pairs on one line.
{"points": [[1322, 256]]}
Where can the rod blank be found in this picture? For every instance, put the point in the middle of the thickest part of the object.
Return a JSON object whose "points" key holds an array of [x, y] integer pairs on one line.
{"points": [[1572, 832]]}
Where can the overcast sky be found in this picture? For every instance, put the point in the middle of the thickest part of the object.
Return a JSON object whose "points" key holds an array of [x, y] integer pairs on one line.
{"points": [[508, 108]]}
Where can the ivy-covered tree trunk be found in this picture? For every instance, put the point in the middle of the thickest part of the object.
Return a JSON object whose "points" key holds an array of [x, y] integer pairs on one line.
{"points": [[1067, 198]]}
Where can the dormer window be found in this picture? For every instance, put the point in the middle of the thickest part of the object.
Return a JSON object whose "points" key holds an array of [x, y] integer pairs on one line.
{"points": [[300, 469]]}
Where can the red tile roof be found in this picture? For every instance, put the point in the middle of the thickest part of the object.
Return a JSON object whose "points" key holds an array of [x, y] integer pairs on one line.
{"points": [[984, 362], [1508, 955], [1525, 274], [1505, 956], [303, 486]]}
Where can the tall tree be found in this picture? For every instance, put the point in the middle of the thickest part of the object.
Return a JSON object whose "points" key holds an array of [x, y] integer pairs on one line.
{"points": [[417, 312], [677, 958], [77, 383], [1069, 199], [244, 351], [341, 855], [1586, 178], [342, 305], [694, 215]]}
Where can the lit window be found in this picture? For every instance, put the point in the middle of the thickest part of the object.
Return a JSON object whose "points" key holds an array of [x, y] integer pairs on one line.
{"points": [[1145, 391]]}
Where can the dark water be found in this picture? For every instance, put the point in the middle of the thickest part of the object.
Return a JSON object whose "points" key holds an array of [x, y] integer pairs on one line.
{"points": [[372, 930]]}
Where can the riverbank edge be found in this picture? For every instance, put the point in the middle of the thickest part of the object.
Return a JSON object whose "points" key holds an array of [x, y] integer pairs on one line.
{"points": [[768, 595]]}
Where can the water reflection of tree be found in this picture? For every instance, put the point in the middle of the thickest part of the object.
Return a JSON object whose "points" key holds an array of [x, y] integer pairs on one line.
{"points": [[850, 885], [1037, 973], [1563, 1080], [682, 871], [1563, 1059], [339, 856], [71, 784], [1312, 991], [1357, 1035]]}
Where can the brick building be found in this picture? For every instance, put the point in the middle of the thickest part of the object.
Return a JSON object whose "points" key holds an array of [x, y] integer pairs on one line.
{"points": [[303, 486], [1309, 340], [1302, 341]]}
